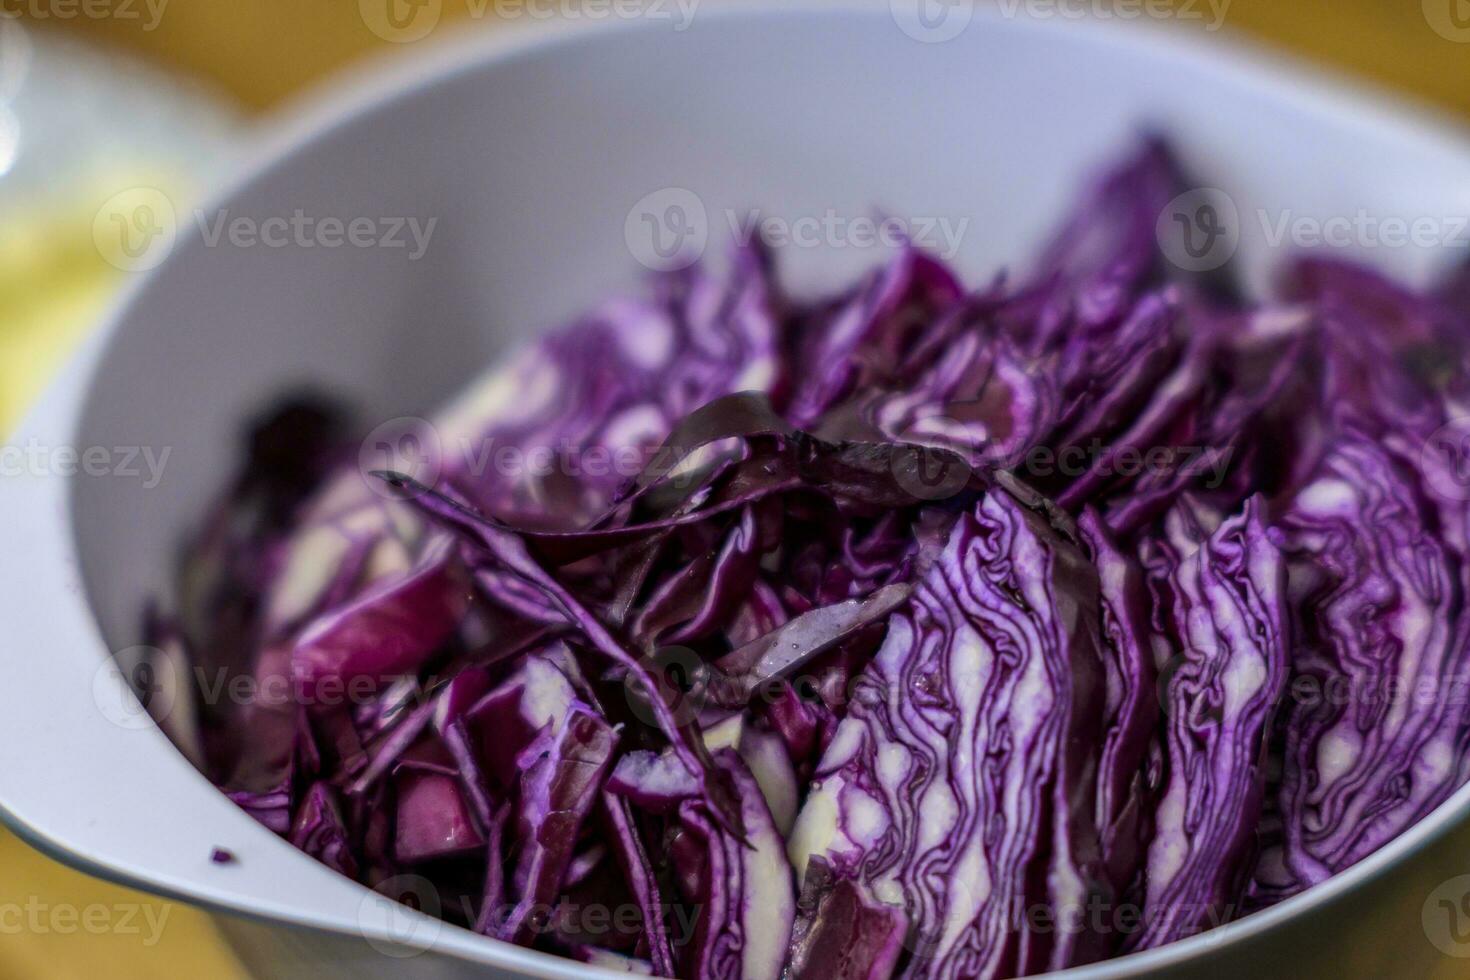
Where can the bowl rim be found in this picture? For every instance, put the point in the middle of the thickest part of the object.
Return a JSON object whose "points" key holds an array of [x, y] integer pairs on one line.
{"points": [[359, 91]]}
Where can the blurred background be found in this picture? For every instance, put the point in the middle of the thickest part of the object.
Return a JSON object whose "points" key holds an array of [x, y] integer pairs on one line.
{"points": [[97, 95]]}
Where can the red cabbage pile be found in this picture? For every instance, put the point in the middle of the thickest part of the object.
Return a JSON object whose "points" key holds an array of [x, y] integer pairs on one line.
{"points": [[910, 632]]}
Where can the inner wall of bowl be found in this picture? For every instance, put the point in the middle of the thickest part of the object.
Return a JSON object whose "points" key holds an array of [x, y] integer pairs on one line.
{"points": [[529, 164]]}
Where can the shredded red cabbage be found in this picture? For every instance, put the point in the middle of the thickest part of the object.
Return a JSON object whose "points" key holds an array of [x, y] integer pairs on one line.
{"points": [[908, 632]]}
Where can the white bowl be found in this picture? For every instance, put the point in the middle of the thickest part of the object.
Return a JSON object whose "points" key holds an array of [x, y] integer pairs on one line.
{"points": [[530, 147]]}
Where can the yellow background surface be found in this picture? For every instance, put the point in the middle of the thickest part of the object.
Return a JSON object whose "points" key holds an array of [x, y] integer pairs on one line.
{"points": [[261, 52]]}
